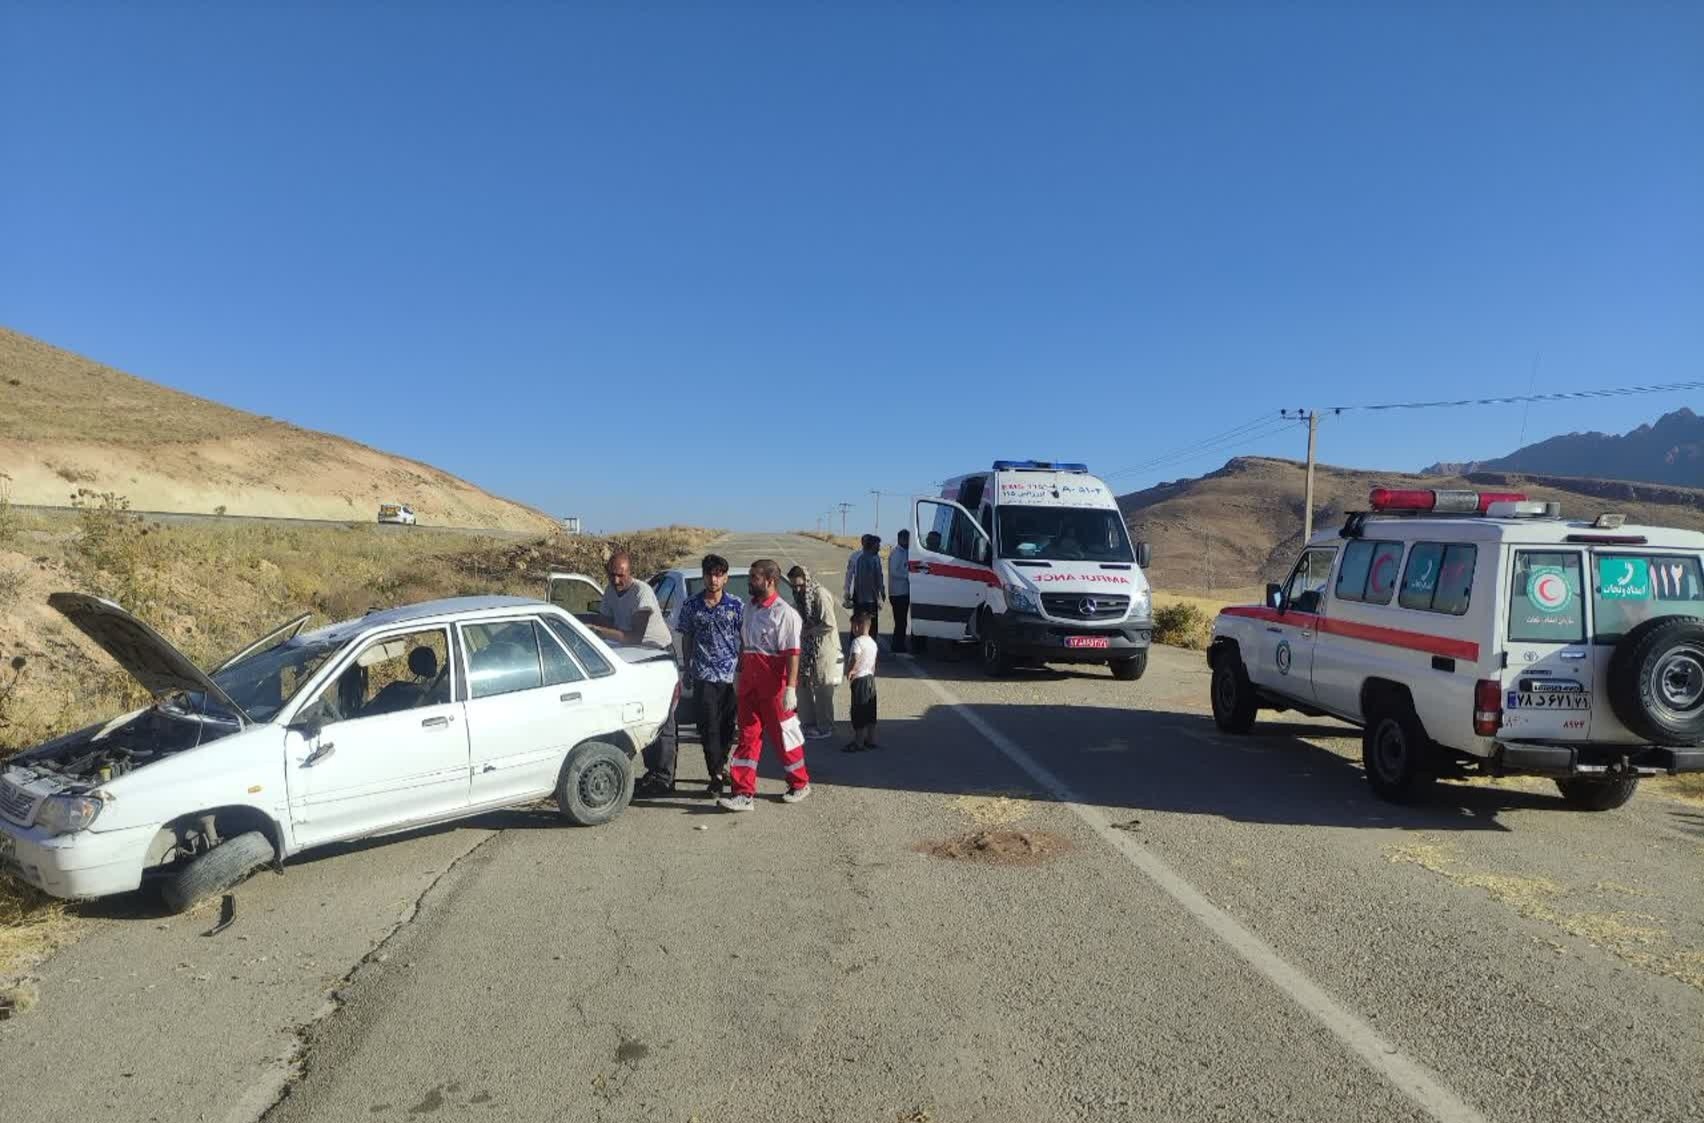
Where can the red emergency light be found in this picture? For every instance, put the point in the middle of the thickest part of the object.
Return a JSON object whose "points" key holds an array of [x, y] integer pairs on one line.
{"points": [[1446, 502]]}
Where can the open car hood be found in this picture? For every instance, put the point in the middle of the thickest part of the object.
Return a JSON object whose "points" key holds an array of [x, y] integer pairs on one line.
{"points": [[150, 658]]}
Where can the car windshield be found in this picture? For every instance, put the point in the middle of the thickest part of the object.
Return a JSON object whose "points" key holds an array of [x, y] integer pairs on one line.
{"points": [[266, 680], [1062, 534], [739, 586]]}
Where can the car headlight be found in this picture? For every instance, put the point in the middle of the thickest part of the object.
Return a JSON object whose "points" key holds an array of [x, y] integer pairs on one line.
{"points": [[1022, 600], [67, 814], [1142, 604]]}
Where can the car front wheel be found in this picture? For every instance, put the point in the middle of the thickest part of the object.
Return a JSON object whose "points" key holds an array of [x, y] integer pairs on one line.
{"points": [[1234, 704]]}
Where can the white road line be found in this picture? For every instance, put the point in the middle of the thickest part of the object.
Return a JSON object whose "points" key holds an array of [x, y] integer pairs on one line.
{"points": [[1419, 1083]]}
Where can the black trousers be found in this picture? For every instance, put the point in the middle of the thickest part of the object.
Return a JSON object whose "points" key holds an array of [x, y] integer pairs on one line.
{"points": [[901, 618], [716, 713], [660, 755]]}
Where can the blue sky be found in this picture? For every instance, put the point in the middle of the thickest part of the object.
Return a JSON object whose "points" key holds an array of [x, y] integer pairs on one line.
{"points": [[729, 266]]}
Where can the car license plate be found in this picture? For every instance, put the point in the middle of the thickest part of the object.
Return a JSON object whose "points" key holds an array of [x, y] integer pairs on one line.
{"points": [[1087, 641], [1527, 700]]}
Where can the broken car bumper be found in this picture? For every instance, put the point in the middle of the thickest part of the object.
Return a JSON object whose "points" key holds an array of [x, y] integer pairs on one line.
{"points": [[84, 864]]}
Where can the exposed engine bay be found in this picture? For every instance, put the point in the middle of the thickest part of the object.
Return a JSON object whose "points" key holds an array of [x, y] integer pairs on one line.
{"points": [[105, 752]]}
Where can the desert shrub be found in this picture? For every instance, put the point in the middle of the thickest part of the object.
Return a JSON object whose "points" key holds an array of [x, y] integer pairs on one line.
{"points": [[112, 553], [1181, 625], [8, 516]]}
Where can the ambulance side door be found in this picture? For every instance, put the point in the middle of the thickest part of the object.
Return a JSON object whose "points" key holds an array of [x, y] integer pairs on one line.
{"points": [[951, 569]]}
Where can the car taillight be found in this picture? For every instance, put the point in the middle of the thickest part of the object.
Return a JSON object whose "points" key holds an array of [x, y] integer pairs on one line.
{"points": [[1487, 707]]}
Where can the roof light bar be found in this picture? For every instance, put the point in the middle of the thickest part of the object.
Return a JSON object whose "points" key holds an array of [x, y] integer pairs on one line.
{"points": [[1439, 502], [1037, 466]]}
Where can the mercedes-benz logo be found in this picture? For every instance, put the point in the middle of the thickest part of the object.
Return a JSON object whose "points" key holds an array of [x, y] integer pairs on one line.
{"points": [[1088, 606]]}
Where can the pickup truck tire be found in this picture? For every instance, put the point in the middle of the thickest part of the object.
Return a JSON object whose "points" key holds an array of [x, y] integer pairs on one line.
{"points": [[1397, 754], [1234, 704], [1592, 794], [222, 867], [1656, 680], [595, 785], [1131, 669]]}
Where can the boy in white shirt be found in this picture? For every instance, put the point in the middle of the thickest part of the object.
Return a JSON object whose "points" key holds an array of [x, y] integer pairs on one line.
{"points": [[862, 673]]}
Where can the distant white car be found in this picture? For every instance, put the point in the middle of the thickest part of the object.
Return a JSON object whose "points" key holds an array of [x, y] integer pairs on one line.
{"points": [[400, 513], [405, 717]]}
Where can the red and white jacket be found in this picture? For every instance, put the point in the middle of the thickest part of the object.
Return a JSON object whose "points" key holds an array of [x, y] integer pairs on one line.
{"points": [[770, 634]]}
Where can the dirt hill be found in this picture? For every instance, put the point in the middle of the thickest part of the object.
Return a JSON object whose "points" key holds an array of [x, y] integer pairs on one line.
{"points": [[1242, 525], [73, 423], [1669, 451]]}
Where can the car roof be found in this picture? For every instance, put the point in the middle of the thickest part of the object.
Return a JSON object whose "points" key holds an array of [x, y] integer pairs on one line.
{"points": [[425, 610]]}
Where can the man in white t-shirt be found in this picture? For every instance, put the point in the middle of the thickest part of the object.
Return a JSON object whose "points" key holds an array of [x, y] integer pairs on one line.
{"points": [[629, 612]]}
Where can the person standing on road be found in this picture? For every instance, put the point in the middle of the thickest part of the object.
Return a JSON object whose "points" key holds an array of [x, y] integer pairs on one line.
{"points": [[899, 591], [852, 566], [820, 653], [629, 614], [867, 588], [710, 650], [862, 673], [767, 694]]}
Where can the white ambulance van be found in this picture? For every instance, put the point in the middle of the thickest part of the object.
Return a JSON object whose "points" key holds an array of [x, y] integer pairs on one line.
{"points": [[1031, 561]]}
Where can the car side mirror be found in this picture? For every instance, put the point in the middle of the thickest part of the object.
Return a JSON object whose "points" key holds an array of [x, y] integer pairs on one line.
{"points": [[1144, 554], [1274, 594]]}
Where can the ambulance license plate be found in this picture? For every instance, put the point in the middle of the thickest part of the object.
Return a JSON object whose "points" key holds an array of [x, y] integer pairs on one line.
{"points": [[1527, 700], [1087, 641]]}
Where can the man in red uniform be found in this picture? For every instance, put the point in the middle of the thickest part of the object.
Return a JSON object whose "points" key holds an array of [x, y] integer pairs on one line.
{"points": [[768, 697]]}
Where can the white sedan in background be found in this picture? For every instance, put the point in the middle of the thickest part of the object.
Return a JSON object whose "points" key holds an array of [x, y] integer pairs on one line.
{"points": [[410, 716]]}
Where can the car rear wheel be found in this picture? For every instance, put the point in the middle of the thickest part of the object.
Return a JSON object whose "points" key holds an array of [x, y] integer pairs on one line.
{"points": [[1584, 793], [1397, 754], [595, 785], [1656, 680], [1234, 705]]}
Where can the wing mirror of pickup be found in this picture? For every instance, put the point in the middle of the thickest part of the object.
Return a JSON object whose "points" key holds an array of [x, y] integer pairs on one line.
{"points": [[1274, 595], [1144, 554]]}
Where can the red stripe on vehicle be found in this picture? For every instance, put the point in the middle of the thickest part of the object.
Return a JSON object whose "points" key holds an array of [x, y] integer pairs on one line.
{"points": [[1370, 633], [964, 573]]}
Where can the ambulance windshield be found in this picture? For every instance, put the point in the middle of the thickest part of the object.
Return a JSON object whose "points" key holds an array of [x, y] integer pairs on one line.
{"points": [[1062, 534]]}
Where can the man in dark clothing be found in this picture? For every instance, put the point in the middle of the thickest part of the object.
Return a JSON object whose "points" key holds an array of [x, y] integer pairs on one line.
{"points": [[865, 584]]}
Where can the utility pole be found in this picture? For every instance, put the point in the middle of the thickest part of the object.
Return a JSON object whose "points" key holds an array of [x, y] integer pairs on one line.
{"points": [[844, 507], [1311, 416], [877, 529]]}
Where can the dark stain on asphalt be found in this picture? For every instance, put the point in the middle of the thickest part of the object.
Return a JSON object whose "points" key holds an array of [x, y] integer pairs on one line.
{"points": [[631, 1052], [480, 1098], [1000, 848], [433, 1101], [380, 1107]]}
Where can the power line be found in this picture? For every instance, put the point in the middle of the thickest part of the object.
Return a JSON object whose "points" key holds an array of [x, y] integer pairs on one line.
{"points": [[1510, 399], [1245, 431]]}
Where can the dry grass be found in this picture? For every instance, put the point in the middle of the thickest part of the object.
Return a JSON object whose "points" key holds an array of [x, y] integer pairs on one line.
{"points": [[211, 588]]}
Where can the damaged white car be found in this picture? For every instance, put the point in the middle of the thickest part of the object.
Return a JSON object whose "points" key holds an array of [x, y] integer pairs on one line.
{"points": [[404, 717]]}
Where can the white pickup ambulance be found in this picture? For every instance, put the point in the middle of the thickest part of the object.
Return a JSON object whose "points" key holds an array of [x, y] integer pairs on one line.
{"points": [[1474, 632], [1031, 561]]}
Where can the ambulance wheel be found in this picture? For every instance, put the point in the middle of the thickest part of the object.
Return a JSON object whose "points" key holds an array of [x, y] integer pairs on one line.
{"points": [[1129, 670], [1591, 794], [1656, 680], [1397, 753], [992, 649], [1234, 704]]}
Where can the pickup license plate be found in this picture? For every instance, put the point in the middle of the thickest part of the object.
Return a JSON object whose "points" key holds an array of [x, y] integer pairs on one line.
{"points": [[1527, 700], [1087, 641]]}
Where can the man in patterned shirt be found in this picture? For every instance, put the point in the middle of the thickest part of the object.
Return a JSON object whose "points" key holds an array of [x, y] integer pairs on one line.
{"points": [[710, 649]]}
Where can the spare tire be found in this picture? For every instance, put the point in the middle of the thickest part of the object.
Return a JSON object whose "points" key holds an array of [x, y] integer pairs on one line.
{"points": [[1656, 680]]}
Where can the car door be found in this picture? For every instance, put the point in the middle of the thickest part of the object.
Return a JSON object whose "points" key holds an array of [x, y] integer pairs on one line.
{"points": [[525, 708], [383, 744], [1286, 653], [1547, 683], [951, 571]]}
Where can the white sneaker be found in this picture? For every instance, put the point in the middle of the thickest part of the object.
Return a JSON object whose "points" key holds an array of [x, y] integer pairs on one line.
{"points": [[736, 803], [797, 795]]}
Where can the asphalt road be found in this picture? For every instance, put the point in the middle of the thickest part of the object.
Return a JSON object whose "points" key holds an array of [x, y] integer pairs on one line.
{"points": [[1211, 928]]}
